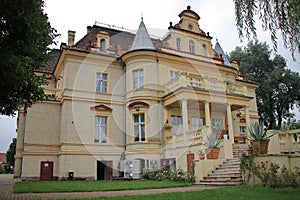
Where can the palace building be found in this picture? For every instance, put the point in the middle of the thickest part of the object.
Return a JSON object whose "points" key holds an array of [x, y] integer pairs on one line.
{"points": [[127, 102]]}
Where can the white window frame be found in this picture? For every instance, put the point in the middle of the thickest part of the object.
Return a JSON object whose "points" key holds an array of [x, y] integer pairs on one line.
{"points": [[197, 122], [100, 134], [176, 121], [192, 46], [101, 82], [242, 130], [138, 79], [139, 127], [102, 44]]}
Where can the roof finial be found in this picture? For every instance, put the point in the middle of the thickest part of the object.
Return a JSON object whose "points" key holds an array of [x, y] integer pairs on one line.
{"points": [[142, 18], [217, 39]]}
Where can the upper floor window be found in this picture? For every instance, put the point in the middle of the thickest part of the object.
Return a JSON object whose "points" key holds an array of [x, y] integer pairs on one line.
{"points": [[100, 135], [101, 82], [192, 46], [102, 45], [173, 74], [139, 127], [178, 44], [204, 53], [138, 79], [197, 122]]}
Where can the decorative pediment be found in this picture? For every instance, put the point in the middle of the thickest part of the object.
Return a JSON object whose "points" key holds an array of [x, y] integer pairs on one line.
{"points": [[138, 104], [101, 107]]}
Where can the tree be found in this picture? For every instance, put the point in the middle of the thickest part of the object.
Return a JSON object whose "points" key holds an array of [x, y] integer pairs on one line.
{"points": [[274, 14], [25, 35], [279, 87], [10, 156]]}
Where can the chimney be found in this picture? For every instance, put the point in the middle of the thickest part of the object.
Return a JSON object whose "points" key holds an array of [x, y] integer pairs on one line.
{"points": [[71, 38], [88, 28]]}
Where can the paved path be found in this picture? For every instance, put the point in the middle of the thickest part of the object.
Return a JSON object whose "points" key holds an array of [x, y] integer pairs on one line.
{"points": [[7, 182]]}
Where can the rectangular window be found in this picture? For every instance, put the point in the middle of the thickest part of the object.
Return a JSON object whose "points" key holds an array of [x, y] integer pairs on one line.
{"points": [[139, 127], [216, 122], [197, 122], [178, 44], [176, 124], [173, 74], [100, 135], [242, 130], [138, 79], [101, 82]]}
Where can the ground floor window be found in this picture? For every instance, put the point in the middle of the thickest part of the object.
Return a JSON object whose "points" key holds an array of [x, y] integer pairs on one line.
{"points": [[197, 122], [100, 135], [242, 130], [176, 124], [139, 127]]}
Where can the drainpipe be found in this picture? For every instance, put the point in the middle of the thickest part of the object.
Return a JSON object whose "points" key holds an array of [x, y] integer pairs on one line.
{"points": [[161, 113], [22, 141], [125, 121]]}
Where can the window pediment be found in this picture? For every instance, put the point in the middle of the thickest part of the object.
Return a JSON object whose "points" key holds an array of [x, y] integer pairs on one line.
{"points": [[138, 104], [101, 107]]}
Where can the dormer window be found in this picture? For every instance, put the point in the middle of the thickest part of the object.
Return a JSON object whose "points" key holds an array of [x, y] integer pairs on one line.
{"points": [[192, 46], [178, 44], [102, 45]]}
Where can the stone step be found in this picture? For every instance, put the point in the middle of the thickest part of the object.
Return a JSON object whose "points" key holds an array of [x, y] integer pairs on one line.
{"points": [[218, 172], [229, 183], [229, 167], [211, 179], [233, 169], [224, 175], [228, 163]]}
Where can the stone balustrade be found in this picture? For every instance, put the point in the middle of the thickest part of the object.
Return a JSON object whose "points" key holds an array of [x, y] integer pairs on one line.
{"points": [[206, 83]]}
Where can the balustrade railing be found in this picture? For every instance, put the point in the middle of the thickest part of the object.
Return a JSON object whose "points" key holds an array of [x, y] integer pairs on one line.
{"points": [[188, 138], [206, 83]]}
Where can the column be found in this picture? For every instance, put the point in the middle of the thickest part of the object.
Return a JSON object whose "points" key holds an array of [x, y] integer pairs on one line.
{"points": [[247, 116], [207, 114], [184, 113], [230, 125]]}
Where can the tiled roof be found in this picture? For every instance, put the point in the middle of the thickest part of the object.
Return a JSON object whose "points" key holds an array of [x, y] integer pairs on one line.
{"points": [[50, 65]]}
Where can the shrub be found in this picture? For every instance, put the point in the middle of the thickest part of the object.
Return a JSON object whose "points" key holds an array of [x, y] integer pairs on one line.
{"points": [[165, 174], [271, 175]]}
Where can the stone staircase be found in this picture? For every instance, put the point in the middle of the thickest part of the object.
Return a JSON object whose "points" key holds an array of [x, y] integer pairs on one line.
{"points": [[229, 172]]}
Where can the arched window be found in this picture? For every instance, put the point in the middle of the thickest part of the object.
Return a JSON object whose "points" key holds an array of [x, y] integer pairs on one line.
{"points": [[102, 45], [178, 44], [204, 53], [192, 46]]}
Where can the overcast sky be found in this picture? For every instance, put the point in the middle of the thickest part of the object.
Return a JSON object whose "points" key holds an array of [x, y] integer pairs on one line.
{"points": [[217, 18]]}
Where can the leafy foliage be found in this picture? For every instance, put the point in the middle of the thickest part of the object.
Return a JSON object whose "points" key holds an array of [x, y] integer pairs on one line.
{"points": [[272, 175], [10, 159], [258, 132], [165, 174], [25, 35], [274, 14], [212, 141], [279, 87]]}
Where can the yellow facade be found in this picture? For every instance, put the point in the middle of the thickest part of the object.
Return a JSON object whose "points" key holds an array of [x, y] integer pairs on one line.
{"points": [[136, 96]]}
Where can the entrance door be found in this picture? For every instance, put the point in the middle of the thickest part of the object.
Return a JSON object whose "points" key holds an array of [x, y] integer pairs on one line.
{"points": [[190, 161], [104, 170], [46, 171]]}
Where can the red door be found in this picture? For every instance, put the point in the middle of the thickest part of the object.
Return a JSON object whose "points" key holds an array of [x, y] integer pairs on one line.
{"points": [[190, 161], [46, 171]]}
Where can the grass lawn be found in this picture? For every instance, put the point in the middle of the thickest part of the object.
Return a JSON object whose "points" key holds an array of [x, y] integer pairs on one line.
{"points": [[226, 193], [89, 186]]}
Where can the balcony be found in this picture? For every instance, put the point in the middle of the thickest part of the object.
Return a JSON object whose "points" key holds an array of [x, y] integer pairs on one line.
{"points": [[190, 138], [206, 83]]}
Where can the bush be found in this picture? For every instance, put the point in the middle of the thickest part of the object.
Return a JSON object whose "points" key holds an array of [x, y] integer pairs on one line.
{"points": [[271, 175], [165, 174]]}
